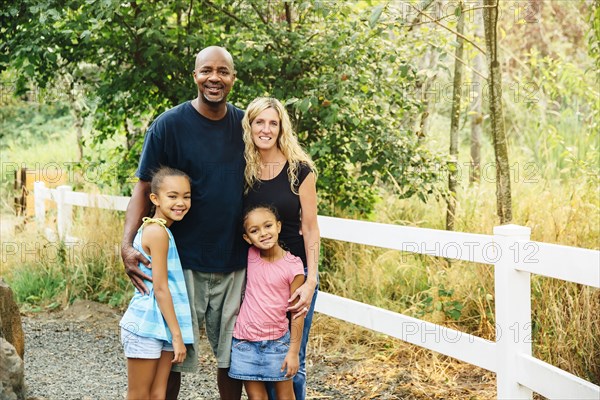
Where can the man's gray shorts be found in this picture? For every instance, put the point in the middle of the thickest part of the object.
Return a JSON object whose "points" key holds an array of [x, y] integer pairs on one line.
{"points": [[214, 300]]}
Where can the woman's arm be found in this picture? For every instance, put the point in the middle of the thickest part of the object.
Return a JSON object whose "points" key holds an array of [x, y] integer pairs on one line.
{"points": [[312, 243], [292, 360], [156, 241]]}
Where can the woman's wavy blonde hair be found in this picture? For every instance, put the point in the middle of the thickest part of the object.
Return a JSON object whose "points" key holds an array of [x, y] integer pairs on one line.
{"points": [[287, 142]]}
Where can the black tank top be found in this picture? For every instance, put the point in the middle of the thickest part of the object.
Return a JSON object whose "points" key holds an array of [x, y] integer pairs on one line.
{"points": [[277, 193]]}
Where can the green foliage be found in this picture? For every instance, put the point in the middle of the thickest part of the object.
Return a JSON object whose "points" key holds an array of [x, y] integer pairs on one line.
{"points": [[442, 302], [54, 275], [24, 125], [560, 108], [594, 35], [33, 284], [343, 70], [348, 99], [58, 283], [594, 51], [29, 134]]}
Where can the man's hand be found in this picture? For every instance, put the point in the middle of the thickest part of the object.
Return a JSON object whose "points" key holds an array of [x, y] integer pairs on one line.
{"points": [[131, 259]]}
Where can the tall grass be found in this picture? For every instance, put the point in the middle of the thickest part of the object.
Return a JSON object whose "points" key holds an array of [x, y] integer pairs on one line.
{"points": [[47, 275], [461, 294]]}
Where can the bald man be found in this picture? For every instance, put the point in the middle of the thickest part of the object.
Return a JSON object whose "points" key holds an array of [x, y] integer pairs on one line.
{"points": [[203, 138]]}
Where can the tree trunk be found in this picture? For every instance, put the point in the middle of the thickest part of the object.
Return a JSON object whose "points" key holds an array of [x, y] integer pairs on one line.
{"points": [[77, 110], [131, 133], [429, 63], [454, 122], [476, 107], [503, 195], [79, 121]]}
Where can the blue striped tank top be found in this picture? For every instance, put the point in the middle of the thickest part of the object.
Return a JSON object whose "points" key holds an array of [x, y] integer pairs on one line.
{"points": [[143, 316]]}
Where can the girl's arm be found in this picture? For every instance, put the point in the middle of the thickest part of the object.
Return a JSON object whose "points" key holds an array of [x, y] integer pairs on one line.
{"points": [[292, 361], [312, 243], [155, 242]]}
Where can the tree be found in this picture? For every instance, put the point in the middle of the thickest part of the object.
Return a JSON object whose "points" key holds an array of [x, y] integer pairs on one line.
{"points": [[476, 107], [454, 122], [428, 73], [342, 70], [503, 193]]}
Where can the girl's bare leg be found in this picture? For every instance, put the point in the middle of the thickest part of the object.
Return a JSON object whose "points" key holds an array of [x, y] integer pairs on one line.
{"points": [[285, 390], [140, 376], [159, 386], [256, 390]]}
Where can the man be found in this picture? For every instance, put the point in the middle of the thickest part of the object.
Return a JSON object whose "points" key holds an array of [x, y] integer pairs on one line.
{"points": [[203, 138]]}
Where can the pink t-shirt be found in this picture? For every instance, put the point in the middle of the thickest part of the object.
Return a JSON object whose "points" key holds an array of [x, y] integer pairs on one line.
{"points": [[263, 312]]}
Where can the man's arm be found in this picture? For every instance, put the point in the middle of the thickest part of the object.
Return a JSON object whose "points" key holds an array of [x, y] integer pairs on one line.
{"points": [[138, 207]]}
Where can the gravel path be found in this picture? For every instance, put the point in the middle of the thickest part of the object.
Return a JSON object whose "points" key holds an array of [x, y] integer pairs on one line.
{"points": [[71, 359], [76, 354]]}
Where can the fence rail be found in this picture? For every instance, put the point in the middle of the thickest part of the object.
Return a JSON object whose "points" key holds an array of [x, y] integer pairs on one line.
{"points": [[509, 249]]}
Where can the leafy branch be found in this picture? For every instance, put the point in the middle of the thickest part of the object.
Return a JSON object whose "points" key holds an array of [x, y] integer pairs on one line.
{"points": [[431, 19]]}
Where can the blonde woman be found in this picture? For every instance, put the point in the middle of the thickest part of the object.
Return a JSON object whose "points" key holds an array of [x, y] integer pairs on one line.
{"points": [[281, 174]]}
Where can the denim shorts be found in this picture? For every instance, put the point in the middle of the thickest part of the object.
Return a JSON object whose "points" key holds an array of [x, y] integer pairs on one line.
{"points": [[136, 346], [259, 361]]}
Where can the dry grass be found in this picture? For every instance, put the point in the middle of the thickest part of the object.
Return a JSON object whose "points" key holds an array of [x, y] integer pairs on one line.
{"points": [[384, 368], [48, 274], [565, 315]]}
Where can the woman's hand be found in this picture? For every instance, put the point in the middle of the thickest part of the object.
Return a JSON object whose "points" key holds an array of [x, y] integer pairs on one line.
{"points": [[179, 351], [304, 294]]}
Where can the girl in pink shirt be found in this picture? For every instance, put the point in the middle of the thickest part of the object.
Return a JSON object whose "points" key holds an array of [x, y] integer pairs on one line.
{"points": [[265, 345]]}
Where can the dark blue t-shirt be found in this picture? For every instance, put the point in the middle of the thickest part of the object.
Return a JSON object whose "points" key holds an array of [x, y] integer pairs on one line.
{"points": [[209, 238]]}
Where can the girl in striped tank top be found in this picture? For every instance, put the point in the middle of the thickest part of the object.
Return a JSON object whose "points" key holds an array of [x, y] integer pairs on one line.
{"points": [[156, 327]]}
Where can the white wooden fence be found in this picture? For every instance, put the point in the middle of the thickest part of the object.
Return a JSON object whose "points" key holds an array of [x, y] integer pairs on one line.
{"points": [[509, 249]]}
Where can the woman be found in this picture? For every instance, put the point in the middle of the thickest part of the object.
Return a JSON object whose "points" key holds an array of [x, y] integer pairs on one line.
{"points": [[280, 173]]}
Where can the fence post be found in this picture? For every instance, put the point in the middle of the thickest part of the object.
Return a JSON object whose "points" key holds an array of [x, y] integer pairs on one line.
{"points": [[39, 195], [513, 310], [64, 211]]}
